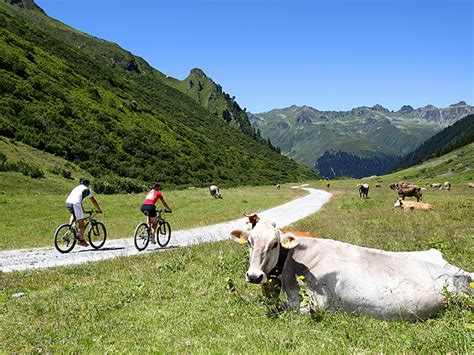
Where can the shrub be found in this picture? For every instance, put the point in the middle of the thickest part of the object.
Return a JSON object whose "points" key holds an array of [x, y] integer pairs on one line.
{"points": [[21, 167], [114, 184], [61, 171]]}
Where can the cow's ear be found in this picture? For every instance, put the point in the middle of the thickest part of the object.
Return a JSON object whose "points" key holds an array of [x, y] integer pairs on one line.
{"points": [[240, 236], [288, 240]]}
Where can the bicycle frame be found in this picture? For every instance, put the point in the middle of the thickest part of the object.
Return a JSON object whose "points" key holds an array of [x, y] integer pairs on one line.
{"points": [[87, 220]]}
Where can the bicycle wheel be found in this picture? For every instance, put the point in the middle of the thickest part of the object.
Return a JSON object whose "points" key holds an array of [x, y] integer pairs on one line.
{"points": [[65, 238], [97, 235], [163, 234], [141, 236]]}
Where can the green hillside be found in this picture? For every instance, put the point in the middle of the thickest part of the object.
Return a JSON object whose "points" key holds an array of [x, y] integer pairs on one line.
{"points": [[456, 166], [56, 175], [459, 134], [109, 112]]}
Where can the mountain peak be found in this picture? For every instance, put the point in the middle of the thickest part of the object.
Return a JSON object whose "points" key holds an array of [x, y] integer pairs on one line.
{"points": [[378, 107], [27, 4], [406, 109], [197, 73], [460, 103]]}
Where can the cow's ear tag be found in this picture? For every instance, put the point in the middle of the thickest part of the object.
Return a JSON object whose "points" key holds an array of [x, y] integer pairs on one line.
{"points": [[287, 244], [242, 240]]}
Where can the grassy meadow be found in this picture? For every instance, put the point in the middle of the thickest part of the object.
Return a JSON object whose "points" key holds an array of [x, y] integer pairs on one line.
{"points": [[191, 208], [196, 299], [31, 209]]}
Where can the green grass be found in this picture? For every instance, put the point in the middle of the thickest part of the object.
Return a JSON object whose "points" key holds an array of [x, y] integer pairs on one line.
{"points": [[29, 220], [191, 300]]}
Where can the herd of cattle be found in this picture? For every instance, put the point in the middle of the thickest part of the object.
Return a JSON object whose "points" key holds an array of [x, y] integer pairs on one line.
{"points": [[406, 189]]}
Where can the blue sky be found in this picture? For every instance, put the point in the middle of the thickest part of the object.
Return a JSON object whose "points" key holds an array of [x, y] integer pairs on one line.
{"points": [[332, 55]]}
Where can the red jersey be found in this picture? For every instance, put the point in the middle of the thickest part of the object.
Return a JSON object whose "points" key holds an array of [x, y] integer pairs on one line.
{"points": [[152, 197]]}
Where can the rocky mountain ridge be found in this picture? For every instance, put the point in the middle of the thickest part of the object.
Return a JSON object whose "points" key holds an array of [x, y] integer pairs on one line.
{"points": [[305, 133]]}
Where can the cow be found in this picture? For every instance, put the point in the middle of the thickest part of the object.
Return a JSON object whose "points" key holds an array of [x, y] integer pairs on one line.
{"points": [[435, 185], [407, 190], [470, 185], [412, 205], [343, 277], [447, 186], [278, 186], [378, 185], [214, 191], [363, 190]]}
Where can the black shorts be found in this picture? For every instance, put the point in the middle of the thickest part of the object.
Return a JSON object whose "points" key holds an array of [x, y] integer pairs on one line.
{"points": [[149, 210]]}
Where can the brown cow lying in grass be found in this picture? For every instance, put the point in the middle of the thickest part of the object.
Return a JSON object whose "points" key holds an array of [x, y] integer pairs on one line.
{"points": [[410, 205]]}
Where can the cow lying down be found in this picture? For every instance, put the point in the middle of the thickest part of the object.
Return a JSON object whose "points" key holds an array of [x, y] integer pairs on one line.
{"points": [[341, 276]]}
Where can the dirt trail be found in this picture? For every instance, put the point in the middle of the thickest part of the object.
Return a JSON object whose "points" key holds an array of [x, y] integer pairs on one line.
{"points": [[14, 260]]}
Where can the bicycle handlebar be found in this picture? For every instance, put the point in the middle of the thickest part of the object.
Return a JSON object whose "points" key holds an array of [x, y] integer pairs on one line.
{"points": [[91, 211]]}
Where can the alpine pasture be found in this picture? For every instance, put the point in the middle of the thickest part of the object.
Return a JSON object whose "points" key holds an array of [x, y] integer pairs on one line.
{"points": [[195, 299]]}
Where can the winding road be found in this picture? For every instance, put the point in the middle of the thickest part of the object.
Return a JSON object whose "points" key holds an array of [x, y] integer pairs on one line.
{"points": [[283, 215]]}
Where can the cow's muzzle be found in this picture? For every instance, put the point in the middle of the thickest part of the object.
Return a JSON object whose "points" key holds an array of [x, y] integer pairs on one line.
{"points": [[256, 277]]}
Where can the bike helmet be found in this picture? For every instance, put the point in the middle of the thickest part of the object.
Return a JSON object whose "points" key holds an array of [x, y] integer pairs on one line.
{"points": [[155, 185], [84, 182]]}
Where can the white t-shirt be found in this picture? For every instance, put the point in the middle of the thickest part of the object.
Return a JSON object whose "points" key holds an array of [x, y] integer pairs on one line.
{"points": [[78, 194]]}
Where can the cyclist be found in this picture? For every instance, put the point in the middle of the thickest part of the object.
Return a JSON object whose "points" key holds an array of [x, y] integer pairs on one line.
{"points": [[74, 205], [149, 206]]}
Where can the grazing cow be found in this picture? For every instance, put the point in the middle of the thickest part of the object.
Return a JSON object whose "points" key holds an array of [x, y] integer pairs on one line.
{"points": [[363, 190], [378, 185], [470, 185], [407, 190], [447, 186], [278, 186], [345, 277], [412, 205], [214, 191], [435, 185], [328, 186]]}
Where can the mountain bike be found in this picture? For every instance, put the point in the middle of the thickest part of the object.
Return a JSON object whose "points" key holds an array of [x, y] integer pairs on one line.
{"points": [[143, 235], [67, 235]]}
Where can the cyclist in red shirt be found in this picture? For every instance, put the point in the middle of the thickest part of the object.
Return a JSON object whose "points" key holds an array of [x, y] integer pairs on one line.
{"points": [[149, 206]]}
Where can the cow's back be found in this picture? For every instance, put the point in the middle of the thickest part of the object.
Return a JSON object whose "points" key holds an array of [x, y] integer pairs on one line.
{"points": [[373, 282]]}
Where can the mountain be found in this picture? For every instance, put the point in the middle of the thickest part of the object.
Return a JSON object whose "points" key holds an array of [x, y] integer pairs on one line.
{"points": [[459, 134], [99, 106], [306, 134], [210, 95]]}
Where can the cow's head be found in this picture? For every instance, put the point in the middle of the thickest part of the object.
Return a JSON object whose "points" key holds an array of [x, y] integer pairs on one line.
{"points": [[398, 203], [253, 219], [265, 241]]}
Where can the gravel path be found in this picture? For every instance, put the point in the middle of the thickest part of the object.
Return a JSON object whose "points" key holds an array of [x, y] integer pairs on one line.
{"points": [[14, 260]]}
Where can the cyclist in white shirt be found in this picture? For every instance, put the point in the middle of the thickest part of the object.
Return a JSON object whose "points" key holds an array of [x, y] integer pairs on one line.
{"points": [[74, 205]]}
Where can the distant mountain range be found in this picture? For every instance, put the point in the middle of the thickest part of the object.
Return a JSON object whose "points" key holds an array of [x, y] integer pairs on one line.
{"points": [[306, 134]]}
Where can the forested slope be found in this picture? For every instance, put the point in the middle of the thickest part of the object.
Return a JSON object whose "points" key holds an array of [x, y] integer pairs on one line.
{"points": [[97, 105], [453, 137]]}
